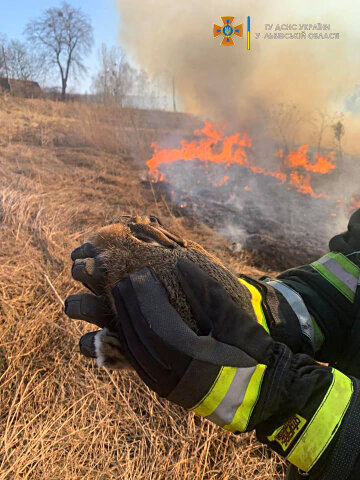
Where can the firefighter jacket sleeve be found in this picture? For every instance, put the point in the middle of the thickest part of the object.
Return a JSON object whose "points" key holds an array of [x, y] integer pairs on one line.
{"points": [[235, 375], [329, 288]]}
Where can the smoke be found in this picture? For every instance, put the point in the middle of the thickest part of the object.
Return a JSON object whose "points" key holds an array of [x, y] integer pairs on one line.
{"points": [[246, 90], [231, 83]]}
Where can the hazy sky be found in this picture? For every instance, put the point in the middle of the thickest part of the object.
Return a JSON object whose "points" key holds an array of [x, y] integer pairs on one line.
{"points": [[148, 25], [215, 80], [103, 13]]}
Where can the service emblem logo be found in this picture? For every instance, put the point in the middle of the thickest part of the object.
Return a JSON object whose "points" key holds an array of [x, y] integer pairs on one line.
{"points": [[227, 30]]}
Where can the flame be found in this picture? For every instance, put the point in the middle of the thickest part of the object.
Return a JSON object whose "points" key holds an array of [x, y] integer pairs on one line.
{"points": [[300, 158], [232, 150], [213, 146], [302, 184], [222, 181]]}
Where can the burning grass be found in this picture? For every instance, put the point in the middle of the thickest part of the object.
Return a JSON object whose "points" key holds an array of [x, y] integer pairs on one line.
{"points": [[213, 146], [266, 200], [65, 170]]}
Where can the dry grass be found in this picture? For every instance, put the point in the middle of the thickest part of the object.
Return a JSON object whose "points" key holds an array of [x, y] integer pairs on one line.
{"points": [[65, 170]]}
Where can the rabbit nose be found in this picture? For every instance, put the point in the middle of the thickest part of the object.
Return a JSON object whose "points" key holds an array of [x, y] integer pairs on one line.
{"points": [[87, 345]]}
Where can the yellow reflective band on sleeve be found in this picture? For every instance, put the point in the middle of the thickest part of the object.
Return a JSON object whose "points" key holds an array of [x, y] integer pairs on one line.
{"points": [[341, 272], [243, 413], [346, 264], [324, 424], [256, 304], [217, 392]]}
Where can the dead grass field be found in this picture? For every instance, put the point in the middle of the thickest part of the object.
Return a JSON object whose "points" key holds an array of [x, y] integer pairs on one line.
{"points": [[65, 170]]}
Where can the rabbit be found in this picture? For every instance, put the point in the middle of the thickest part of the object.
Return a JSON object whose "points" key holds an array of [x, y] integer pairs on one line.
{"points": [[140, 241]]}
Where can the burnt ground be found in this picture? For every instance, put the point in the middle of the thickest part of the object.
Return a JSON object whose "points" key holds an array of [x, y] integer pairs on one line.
{"points": [[277, 226]]}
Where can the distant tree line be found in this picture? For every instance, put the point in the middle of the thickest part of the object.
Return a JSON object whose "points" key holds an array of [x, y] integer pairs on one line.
{"points": [[57, 43], [17, 60], [118, 82]]}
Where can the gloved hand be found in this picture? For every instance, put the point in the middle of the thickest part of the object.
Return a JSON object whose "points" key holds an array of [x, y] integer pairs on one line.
{"points": [[117, 250], [103, 344], [234, 374], [349, 241]]}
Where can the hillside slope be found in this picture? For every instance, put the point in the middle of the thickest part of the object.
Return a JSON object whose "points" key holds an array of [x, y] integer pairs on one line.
{"points": [[65, 170]]}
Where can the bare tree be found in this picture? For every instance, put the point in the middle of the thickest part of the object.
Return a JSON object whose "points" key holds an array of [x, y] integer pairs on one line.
{"points": [[65, 34], [2, 55], [149, 89], [339, 132], [115, 77], [286, 119], [118, 82], [19, 61], [22, 62]]}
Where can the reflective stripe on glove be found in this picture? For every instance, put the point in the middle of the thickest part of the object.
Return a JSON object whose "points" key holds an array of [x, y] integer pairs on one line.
{"points": [[236, 376]]}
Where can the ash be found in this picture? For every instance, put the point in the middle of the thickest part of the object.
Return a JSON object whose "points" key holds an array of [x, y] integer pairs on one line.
{"points": [[273, 224]]}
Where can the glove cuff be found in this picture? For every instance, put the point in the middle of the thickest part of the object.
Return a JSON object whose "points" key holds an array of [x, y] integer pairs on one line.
{"points": [[304, 405], [344, 452]]}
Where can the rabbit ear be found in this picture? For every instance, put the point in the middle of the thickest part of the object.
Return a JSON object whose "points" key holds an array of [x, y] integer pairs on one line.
{"points": [[155, 235], [172, 236]]}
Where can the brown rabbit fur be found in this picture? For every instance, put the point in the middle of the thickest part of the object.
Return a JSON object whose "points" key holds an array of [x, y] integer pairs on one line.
{"points": [[139, 242]]}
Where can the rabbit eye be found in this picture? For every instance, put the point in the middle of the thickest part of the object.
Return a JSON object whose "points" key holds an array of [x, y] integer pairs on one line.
{"points": [[154, 219]]}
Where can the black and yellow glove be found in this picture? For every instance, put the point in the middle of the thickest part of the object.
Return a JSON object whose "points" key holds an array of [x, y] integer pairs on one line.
{"points": [[233, 374], [236, 376], [348, 242]]}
